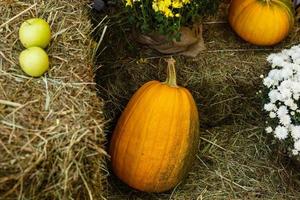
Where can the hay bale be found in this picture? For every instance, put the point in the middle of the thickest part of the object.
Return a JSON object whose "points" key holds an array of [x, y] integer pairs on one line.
{"points": [[51, 138]]}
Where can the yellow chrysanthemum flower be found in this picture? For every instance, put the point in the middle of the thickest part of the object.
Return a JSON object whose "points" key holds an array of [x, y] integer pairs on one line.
{"points": [[154, 6], [186, 1], [177, 4], [129, 3], [165, 6], [168, 13]]}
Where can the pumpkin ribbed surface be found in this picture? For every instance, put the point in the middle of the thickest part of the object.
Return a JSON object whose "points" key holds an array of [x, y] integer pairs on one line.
{"points": [[155, 138], [261, 22]]}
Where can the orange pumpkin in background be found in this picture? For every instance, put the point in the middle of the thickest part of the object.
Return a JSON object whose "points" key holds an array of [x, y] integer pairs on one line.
{"points": [[156, 136], [261, 22]]}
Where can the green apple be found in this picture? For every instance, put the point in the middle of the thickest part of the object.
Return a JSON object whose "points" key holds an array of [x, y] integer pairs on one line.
{"points": [[34, 61], [35, 32]]}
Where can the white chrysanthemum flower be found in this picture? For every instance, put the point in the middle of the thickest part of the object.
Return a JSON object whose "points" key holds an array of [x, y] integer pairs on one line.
{"points": [[269, 82], [285, 51], [286, 57], [296, 96], [294, 106], [285, 93], [269, 129], [272, 115], [295, 132], [286, 84], [295, 55], [297, 145], [295, 152], [287, 54], [285, 120], [282, 111], [275, 75], [286, 73], [294, 48], [297, 61], [283, 82], [274, 96], [270, 107], [281, 132], [291, 104], [277, 61], [271, 57], [295, 67]]}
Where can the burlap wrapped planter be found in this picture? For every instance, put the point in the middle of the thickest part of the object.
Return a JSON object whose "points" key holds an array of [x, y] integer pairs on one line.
{"points": [[190, 43]]}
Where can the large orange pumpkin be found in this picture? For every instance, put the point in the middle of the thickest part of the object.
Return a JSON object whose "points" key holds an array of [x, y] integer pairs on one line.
{"points": [[155, 139], [261, 22]]}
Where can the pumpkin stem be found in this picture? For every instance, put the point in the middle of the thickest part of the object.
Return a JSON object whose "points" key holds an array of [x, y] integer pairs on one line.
{"points": [[268, 2], [171, 73]]}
